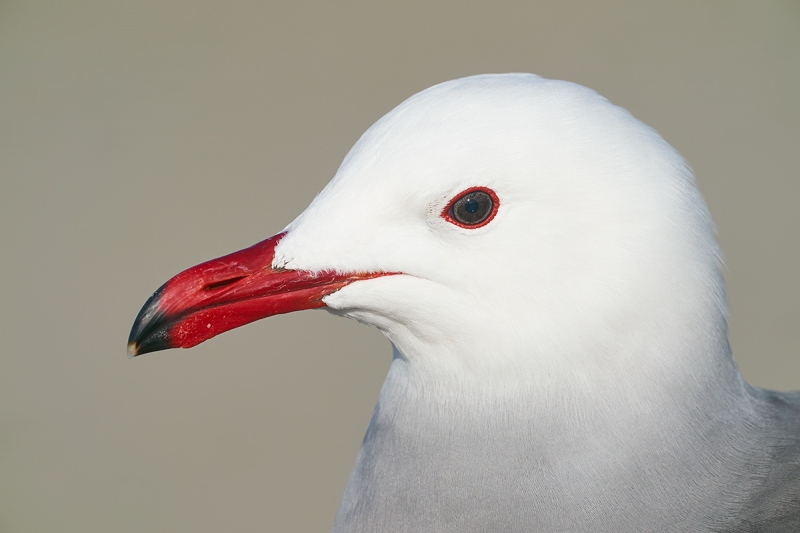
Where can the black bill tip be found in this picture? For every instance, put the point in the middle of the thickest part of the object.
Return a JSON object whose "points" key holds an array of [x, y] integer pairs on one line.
{"points": [[150, 330]]}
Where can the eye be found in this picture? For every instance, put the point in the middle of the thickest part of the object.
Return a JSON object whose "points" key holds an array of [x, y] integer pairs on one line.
{"points": [[472, 208]]}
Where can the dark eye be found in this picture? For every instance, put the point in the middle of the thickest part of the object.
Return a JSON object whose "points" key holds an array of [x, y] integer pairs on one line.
{"points": [[472, 208]]}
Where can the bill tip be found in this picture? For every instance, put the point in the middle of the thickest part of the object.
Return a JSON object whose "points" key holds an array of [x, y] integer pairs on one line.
{"points": [[133, 350]]}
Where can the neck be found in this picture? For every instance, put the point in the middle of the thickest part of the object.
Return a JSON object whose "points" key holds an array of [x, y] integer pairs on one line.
{"points": [[441, 439]]}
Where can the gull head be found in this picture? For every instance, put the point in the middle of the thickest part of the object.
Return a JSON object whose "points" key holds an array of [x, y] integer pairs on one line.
{"points": [[489, 224]]}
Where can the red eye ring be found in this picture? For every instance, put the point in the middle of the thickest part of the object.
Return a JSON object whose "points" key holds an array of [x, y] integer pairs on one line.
{"points": [[449, 214]]}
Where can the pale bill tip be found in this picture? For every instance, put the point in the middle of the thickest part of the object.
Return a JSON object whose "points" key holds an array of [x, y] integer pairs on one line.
{"points": [[132, 350]]}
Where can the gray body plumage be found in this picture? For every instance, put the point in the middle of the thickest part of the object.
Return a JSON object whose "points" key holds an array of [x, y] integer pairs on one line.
{"points": [[731, 464]]}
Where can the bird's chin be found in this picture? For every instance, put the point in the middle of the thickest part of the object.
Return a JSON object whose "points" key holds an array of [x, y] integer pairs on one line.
{"points": [[400, 306], [366, 317], [369, 302]]}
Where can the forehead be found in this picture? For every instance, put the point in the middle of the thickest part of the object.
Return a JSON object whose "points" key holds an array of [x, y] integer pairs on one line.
{"points": [[465, 132]]}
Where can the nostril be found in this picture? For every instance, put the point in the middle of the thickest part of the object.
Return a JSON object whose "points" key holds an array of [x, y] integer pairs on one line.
{"points": [[223, 283]]}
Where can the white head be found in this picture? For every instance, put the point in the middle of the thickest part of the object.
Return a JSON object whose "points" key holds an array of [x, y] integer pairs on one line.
{"points": [[601, 244], [577, 340]]}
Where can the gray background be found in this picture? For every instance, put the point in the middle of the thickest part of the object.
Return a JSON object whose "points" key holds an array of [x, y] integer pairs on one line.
{"points": [[139, 138]]}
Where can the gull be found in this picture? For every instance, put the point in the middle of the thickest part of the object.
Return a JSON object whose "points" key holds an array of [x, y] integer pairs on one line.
{"points": [[549, 278]]}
